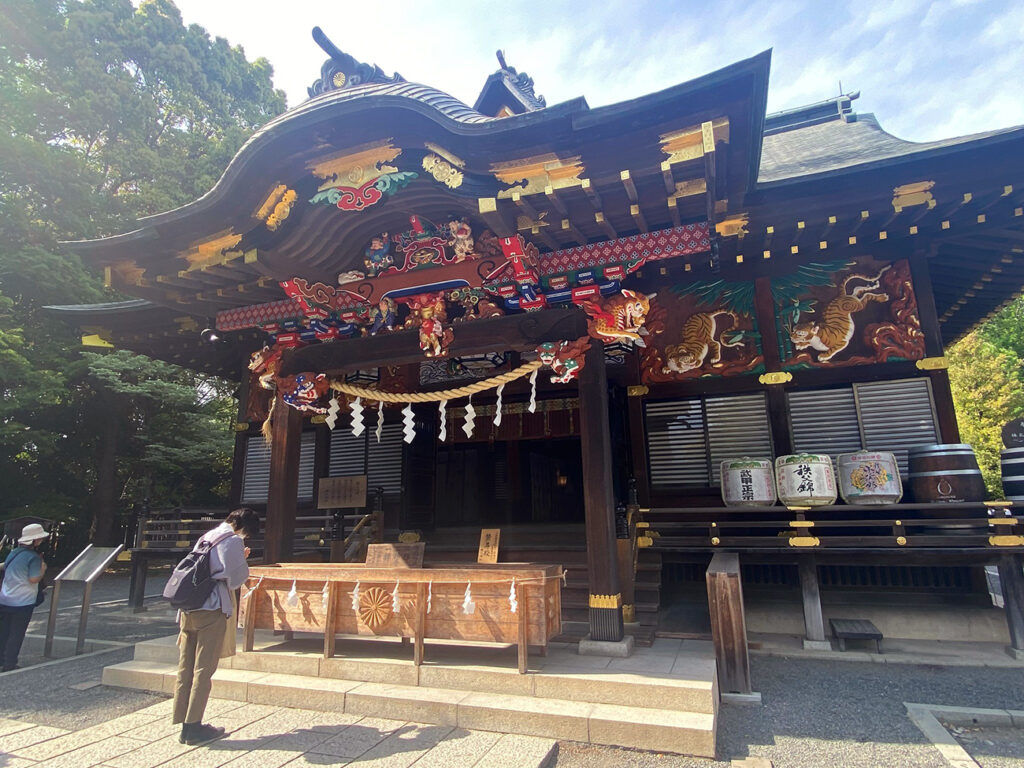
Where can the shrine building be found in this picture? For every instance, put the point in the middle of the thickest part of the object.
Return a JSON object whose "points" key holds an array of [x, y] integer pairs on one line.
{"points": [[568, 323]]}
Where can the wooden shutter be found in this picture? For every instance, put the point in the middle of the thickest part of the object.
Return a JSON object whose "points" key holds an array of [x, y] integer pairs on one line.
{"points": [[676, 443], [825, 421], [896, 415], [384, 460], [307, 457], [737, 426], [256, 472]]}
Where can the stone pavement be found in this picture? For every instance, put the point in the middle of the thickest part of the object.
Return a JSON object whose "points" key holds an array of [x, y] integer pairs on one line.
{"points": [[263, 736]]}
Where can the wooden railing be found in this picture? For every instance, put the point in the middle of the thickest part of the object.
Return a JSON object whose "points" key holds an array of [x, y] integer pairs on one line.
{"points": [[178, 531], [968, 526]]}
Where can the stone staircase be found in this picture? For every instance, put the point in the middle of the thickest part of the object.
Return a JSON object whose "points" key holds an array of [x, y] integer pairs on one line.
{"points": [[663, 698]]}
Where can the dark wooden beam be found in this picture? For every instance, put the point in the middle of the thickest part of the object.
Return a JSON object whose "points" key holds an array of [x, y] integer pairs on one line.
{"points": [[517, 333], [279, 530], [598, 499]]}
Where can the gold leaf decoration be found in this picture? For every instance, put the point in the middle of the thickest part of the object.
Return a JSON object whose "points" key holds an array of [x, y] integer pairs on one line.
{"points": [[375, 608], [443, 171]]}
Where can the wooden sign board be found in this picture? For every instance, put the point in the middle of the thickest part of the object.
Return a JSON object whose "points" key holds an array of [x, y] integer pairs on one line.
{"points": [[1013, 434], [342, 492], [395, 555], [488, 552]]}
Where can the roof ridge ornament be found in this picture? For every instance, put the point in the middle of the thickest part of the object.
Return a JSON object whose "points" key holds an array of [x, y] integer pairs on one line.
{"points": [[343, 71], [521, 81]]}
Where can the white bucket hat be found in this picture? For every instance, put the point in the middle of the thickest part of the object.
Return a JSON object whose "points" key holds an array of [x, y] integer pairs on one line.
{"points": [[32, 532]]}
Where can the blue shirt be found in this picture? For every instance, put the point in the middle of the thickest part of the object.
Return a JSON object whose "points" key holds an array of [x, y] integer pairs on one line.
{"points": [[17, 590]]}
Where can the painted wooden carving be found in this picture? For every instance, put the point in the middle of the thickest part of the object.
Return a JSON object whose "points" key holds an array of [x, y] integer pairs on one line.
{"points": [[305, 391], [619, 318], [564, 358], [702, 329], [847, 312]]}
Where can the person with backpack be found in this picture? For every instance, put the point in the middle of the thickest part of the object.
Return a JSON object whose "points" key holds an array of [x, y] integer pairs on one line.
{"points": [[203, 588], [24, 568]]}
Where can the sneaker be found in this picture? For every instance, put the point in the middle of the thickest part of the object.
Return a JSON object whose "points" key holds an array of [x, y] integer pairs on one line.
{"points": [[197, 733]]}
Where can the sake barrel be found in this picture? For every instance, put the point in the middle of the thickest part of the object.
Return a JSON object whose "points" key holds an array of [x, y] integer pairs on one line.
{"points": [[869, 477], [747, 482], [805, 480], [946, 472], [1012, 464]]}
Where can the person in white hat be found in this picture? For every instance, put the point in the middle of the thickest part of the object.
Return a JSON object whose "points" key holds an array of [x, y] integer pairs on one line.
{"points": [[24, 568]]}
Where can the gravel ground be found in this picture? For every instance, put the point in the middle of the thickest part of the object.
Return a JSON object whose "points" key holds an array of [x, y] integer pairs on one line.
{"points": [[992, 747], [839, 714]]}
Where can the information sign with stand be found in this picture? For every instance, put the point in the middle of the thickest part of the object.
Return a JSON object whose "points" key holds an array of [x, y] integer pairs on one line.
{"points": [[86, 567]]}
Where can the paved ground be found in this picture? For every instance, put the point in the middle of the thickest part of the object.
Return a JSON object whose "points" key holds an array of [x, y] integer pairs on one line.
{"points": [[264, 737], [815, 712]]}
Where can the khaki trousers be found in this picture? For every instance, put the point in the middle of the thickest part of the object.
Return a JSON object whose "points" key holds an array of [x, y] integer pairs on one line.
{"points": [[200, 642]]}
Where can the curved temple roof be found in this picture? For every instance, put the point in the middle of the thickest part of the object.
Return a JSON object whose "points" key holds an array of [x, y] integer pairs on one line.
{"points": [[822, 161]]}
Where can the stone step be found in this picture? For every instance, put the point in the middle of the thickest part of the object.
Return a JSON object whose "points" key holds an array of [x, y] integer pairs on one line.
{"points": [[664, 730], [689, 687]]}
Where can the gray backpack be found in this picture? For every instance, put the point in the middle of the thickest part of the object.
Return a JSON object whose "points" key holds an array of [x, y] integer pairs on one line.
{"points": [[190, 586]]}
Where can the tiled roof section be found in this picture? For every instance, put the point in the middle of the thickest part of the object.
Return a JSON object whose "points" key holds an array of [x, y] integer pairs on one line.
{"points": [[829, 145]]}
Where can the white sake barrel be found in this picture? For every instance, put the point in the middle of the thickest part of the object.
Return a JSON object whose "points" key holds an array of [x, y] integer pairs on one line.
{"points": [[869, 477], [805, 480], [747, 482]]}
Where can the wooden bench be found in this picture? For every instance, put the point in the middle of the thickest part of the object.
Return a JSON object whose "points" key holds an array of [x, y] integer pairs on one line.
{"points": [[855, 629]]}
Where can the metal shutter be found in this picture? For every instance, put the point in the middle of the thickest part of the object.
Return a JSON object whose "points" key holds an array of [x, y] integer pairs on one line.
{"points": [[676, 443], [307, 456], [825, 421], [737, 426], [896, 415], [256, 473]]}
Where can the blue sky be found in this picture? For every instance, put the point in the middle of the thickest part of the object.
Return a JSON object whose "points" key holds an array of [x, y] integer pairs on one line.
{"points": [[928, 70]]}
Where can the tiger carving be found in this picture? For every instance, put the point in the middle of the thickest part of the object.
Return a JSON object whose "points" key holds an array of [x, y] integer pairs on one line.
{"points": [[832, 332], [619, 318], [699, 344]]}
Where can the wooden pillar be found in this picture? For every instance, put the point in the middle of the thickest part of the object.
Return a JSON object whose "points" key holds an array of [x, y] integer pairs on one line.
{"points": [[814, 624], [598, 499], [1011, 580], [728, 622], [637, 432], [949, 430], [778, 416], [284, 483]]}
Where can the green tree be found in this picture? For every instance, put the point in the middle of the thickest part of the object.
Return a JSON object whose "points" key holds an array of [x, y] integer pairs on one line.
{"points": [[987, 393], [107, 113], [1006, 330]]}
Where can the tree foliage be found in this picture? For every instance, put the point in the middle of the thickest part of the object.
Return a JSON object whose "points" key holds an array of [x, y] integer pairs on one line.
{"points": [[107, 113], [987, 392]]}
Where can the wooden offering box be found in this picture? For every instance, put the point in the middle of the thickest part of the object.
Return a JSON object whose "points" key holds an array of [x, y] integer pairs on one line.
{"points": [[538, 593]]}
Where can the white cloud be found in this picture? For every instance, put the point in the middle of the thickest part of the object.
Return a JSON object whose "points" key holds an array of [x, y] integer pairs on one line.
{"points": [[928, 69]]}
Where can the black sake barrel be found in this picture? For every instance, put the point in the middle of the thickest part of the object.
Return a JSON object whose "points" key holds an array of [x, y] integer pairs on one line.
{"points": [[944, 473], [1013, 473]]}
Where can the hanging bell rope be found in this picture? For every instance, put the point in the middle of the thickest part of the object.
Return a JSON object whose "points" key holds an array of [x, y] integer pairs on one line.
{"points": [[436, 397]]}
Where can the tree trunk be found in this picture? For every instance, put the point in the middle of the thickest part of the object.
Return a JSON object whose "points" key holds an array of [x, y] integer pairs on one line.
{"points": [[105, 495]]}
